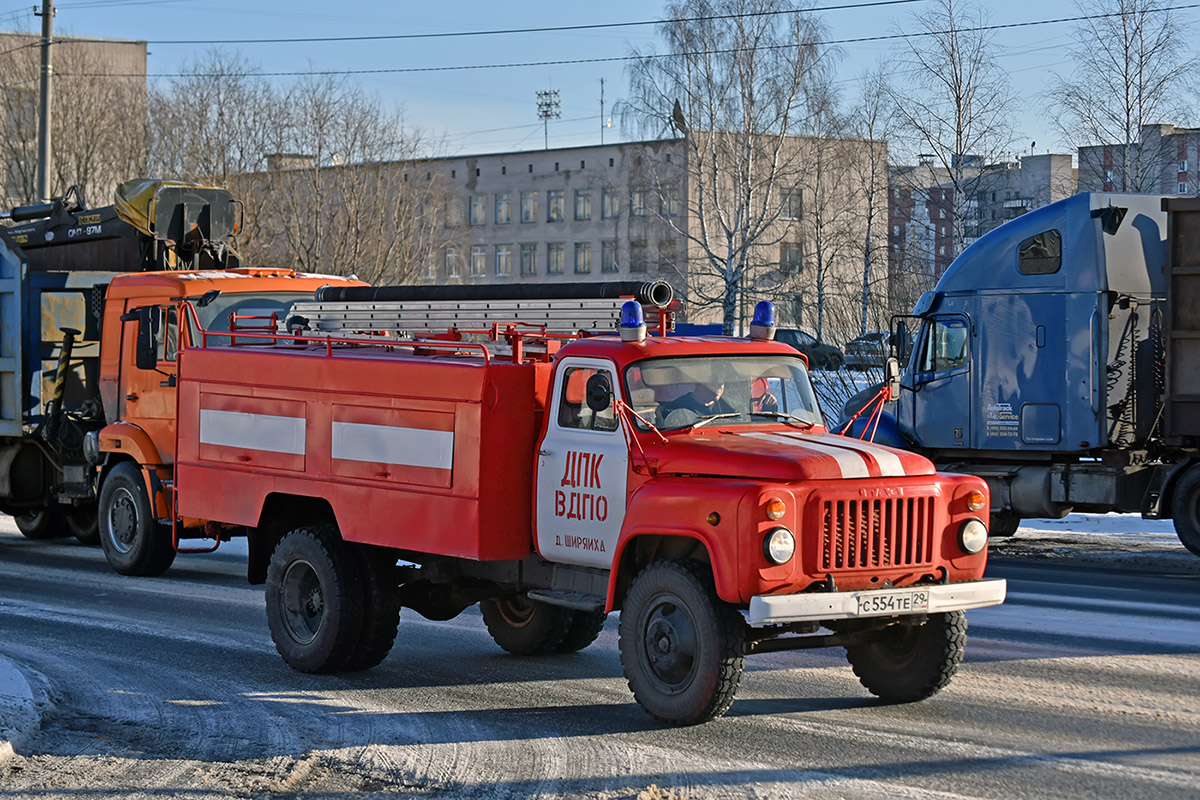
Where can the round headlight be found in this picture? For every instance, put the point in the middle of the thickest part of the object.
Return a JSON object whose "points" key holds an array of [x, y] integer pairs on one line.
{"points": [[972, 536], [779, 546]]}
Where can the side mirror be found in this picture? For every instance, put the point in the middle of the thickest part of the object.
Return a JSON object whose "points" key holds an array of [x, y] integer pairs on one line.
{"points": [[598, 392], [148, 319], [891, 376], [899, 340]]}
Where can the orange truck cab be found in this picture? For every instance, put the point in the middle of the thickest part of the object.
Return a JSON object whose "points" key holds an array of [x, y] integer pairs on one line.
{"points": [[688, 483]]}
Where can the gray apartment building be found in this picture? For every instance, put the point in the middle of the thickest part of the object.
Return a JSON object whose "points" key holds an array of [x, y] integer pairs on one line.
{"points": [[1164, 160]]}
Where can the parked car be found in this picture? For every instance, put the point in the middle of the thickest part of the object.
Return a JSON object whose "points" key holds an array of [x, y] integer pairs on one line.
{"points": [[820, 354], [867, 350]]}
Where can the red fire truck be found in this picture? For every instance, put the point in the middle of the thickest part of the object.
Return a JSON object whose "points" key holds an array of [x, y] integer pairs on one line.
{"points": [[689, 483]]}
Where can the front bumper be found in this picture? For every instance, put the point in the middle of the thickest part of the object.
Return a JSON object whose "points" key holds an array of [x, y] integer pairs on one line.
{"points": [[775, 609]]}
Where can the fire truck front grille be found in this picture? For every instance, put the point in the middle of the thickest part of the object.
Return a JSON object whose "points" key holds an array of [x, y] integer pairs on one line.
{"points": [[888, 532]]}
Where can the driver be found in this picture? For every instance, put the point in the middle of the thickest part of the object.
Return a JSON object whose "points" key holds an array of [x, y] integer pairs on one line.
{"points": [[700, 398]]}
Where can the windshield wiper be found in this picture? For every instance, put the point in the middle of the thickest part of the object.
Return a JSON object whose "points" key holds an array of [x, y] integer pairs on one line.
{"points": [[784, 417], [710, 418]]}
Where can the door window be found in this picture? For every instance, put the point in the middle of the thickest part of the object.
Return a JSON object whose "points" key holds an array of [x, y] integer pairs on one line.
{"points": [[573, 411], [946, 344]]}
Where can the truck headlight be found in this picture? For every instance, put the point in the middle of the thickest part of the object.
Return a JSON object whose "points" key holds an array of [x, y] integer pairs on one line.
{"points": [[972, 536], [779, 546], [91, 447]]}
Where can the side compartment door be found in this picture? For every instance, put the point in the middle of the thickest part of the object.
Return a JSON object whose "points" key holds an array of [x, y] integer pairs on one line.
{"points": [[583, 467], [942, 383], [12, 393]]}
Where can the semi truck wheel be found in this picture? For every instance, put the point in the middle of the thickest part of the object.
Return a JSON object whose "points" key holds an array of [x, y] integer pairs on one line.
{"points": [[585, 627], [314, 600], [525, 627], [134, 543], [84, 524], [1004, 525], [380, 607], [41, 523], [683, 649], [911, 662], [1185, 509]]}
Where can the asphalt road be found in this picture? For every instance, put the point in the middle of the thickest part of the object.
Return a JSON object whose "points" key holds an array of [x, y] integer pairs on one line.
{"points": [[1085, 684]]}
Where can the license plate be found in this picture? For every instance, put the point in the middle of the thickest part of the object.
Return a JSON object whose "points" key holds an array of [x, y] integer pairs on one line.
{"points": [[881, 602]]}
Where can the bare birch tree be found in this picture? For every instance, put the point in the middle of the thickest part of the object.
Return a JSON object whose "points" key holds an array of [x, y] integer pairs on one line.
{"points": [[873, 120], [955, 104], [1131, 59], [734, 78]]}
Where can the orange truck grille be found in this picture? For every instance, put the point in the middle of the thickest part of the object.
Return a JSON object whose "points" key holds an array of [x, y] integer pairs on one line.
{"points": [[877, 533]]}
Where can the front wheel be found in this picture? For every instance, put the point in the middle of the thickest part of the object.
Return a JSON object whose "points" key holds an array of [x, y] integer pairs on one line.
{"points": [[525, 627], [682, 648], [314, 599], [1185, 509], [134, 543], [903, 663]]}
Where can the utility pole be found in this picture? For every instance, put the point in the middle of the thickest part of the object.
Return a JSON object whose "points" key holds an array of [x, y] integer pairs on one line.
{"points": [[43, 170], [548, 109], [602, 111]]}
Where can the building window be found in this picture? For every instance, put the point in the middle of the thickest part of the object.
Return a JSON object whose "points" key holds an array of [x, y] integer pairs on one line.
{"points": [[637, 256], [503, 209], [583, 204], [555, 257], [667, 250], [451, 262], [1183, 187], [478, 209], [453, 214], [478, 260], [670, 201], [791, 257], [583, 257], [1183, 165], [793, 204], [430, 272], [555, 205], [610, 204], [942, 213], [637, 202], [529, 206], [504, 259], [895, 230], [608, 257], [528, 259]]}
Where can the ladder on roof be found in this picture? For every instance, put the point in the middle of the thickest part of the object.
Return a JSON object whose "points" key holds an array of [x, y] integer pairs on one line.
{"points": [[591, 315]]}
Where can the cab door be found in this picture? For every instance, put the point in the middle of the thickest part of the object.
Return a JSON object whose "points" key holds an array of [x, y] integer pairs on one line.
{"points": [[582, 471], [942, 382], [148, 396]]}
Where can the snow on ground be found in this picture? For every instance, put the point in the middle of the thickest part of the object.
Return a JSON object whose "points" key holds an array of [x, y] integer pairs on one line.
{"points": [[1117, 541]]}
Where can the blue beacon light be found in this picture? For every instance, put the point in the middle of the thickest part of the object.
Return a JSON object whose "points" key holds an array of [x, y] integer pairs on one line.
{"points": [[633, 322], [762, 325]]}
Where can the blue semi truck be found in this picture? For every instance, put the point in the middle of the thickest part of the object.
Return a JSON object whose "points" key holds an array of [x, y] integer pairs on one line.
{"points": [[1058, 358]]}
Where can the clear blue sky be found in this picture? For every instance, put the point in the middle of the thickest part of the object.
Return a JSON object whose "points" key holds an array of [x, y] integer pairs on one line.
{"points": [[494, 109]]}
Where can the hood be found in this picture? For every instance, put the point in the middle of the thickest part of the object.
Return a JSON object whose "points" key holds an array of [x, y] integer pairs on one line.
{"points": [[785, 456]]}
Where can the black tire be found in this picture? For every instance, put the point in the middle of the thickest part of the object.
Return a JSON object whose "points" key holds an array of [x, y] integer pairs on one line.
{"points": [[525, 627], [41, 523], [682, 648], [1185, 509], [380, 608], [134, 543], [585, 627], [314, 598], [84, 524], [905, 663], [1004, 525]]}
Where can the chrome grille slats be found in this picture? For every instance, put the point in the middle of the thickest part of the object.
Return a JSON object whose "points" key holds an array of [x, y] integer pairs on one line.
{"points": [[875, 533]]}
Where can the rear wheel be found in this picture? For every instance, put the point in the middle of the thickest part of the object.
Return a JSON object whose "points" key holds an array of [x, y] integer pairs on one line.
{"points": [[84, 524], [380, 607], [682, 647], [134, 543], [1004, 525], [911, 662], [526, 627], [1185, 509], [41, 523], [314, 599], [585, 627]]}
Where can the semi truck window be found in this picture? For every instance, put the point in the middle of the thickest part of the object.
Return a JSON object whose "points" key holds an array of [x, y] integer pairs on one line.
{"points": [[946, 345], [167, 336], [1040, 254]]}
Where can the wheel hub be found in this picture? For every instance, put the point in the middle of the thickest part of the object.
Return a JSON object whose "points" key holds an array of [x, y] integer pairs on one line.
{"points": [[671, 643], [122, 520], [302, 601]]}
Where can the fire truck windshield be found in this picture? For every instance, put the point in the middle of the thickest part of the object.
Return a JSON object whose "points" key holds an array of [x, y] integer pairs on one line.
{"points": [[677, 393]]}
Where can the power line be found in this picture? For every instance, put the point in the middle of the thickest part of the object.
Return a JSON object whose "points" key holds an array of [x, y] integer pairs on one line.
{"points": [[548, 29], [614, 59]]}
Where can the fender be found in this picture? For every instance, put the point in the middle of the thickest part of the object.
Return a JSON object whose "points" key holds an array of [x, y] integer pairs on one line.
{"points": [[127, 439], [887, 432]]}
